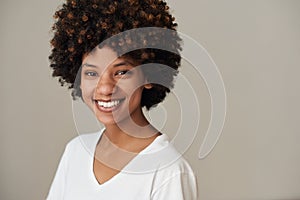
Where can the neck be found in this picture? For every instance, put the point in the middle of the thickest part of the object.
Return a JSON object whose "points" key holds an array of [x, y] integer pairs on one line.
{"points": [[131, 132], [122, 133]]}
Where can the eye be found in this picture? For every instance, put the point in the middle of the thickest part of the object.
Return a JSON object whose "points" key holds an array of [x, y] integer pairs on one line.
{"points": [[123, 72], [90, 73]]}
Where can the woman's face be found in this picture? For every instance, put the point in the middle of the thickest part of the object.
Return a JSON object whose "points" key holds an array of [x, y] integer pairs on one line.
{"points": [[112, 87]]}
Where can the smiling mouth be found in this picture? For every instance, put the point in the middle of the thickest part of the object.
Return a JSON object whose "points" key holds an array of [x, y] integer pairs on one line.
{"points": [[109, 104]]}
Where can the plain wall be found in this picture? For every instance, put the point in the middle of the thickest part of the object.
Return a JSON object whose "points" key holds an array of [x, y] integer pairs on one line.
{"points": [[256, 45]]}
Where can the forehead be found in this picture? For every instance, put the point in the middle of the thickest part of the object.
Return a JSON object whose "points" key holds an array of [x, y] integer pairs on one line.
{"points": [[101, 57]]}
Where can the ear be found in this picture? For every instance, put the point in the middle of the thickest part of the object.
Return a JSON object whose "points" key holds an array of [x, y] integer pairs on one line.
{"points": [[148, 86]]}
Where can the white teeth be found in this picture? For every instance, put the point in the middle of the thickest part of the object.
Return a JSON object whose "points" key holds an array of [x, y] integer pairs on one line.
{"points": [[108, 104]]}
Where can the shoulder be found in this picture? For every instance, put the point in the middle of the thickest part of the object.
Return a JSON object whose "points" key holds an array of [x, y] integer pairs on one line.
{"points": [[177, 166], [84, 141], [175, 181], [167, 155], [162, 157]]}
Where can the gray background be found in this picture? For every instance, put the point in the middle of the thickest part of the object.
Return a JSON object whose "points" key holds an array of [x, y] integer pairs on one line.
{"points": [[256, 45]]}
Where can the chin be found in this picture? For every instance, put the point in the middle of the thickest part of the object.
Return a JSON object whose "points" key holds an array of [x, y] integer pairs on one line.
{"points": [[106, 120]]}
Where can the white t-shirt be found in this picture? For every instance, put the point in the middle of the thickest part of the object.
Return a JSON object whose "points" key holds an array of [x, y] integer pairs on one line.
{"points": [[158, 172]]}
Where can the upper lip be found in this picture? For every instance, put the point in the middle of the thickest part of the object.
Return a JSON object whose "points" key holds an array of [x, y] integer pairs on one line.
{"points": [[108, 100]]}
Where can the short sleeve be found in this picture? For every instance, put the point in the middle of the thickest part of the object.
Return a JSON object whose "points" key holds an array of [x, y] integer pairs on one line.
{"points": [[181, 186]]}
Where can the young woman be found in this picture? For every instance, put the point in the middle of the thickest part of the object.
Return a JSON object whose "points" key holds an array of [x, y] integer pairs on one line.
{"points": [[129, 158]]}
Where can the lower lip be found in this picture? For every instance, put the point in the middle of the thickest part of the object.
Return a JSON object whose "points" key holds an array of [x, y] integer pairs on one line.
{"points": [[108, 110]]}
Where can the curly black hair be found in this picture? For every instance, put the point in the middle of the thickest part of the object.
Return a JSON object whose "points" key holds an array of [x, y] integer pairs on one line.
{"points": [[82, 25]]}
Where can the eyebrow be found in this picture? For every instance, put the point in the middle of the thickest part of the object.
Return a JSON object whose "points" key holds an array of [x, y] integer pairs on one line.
{"points": [[88, 65], [115, 65], [123, 63]]}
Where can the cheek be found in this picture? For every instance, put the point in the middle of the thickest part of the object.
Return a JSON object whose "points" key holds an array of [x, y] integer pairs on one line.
{"points": [[136, 96], [87, 89], [131, 87]]}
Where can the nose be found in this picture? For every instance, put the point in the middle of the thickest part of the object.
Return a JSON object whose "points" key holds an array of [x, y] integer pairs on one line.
{"points": [[106, 85]]}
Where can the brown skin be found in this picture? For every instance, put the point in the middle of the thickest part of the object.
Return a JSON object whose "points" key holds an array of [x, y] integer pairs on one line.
{"points": [[119, 150], [106, 77]]}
